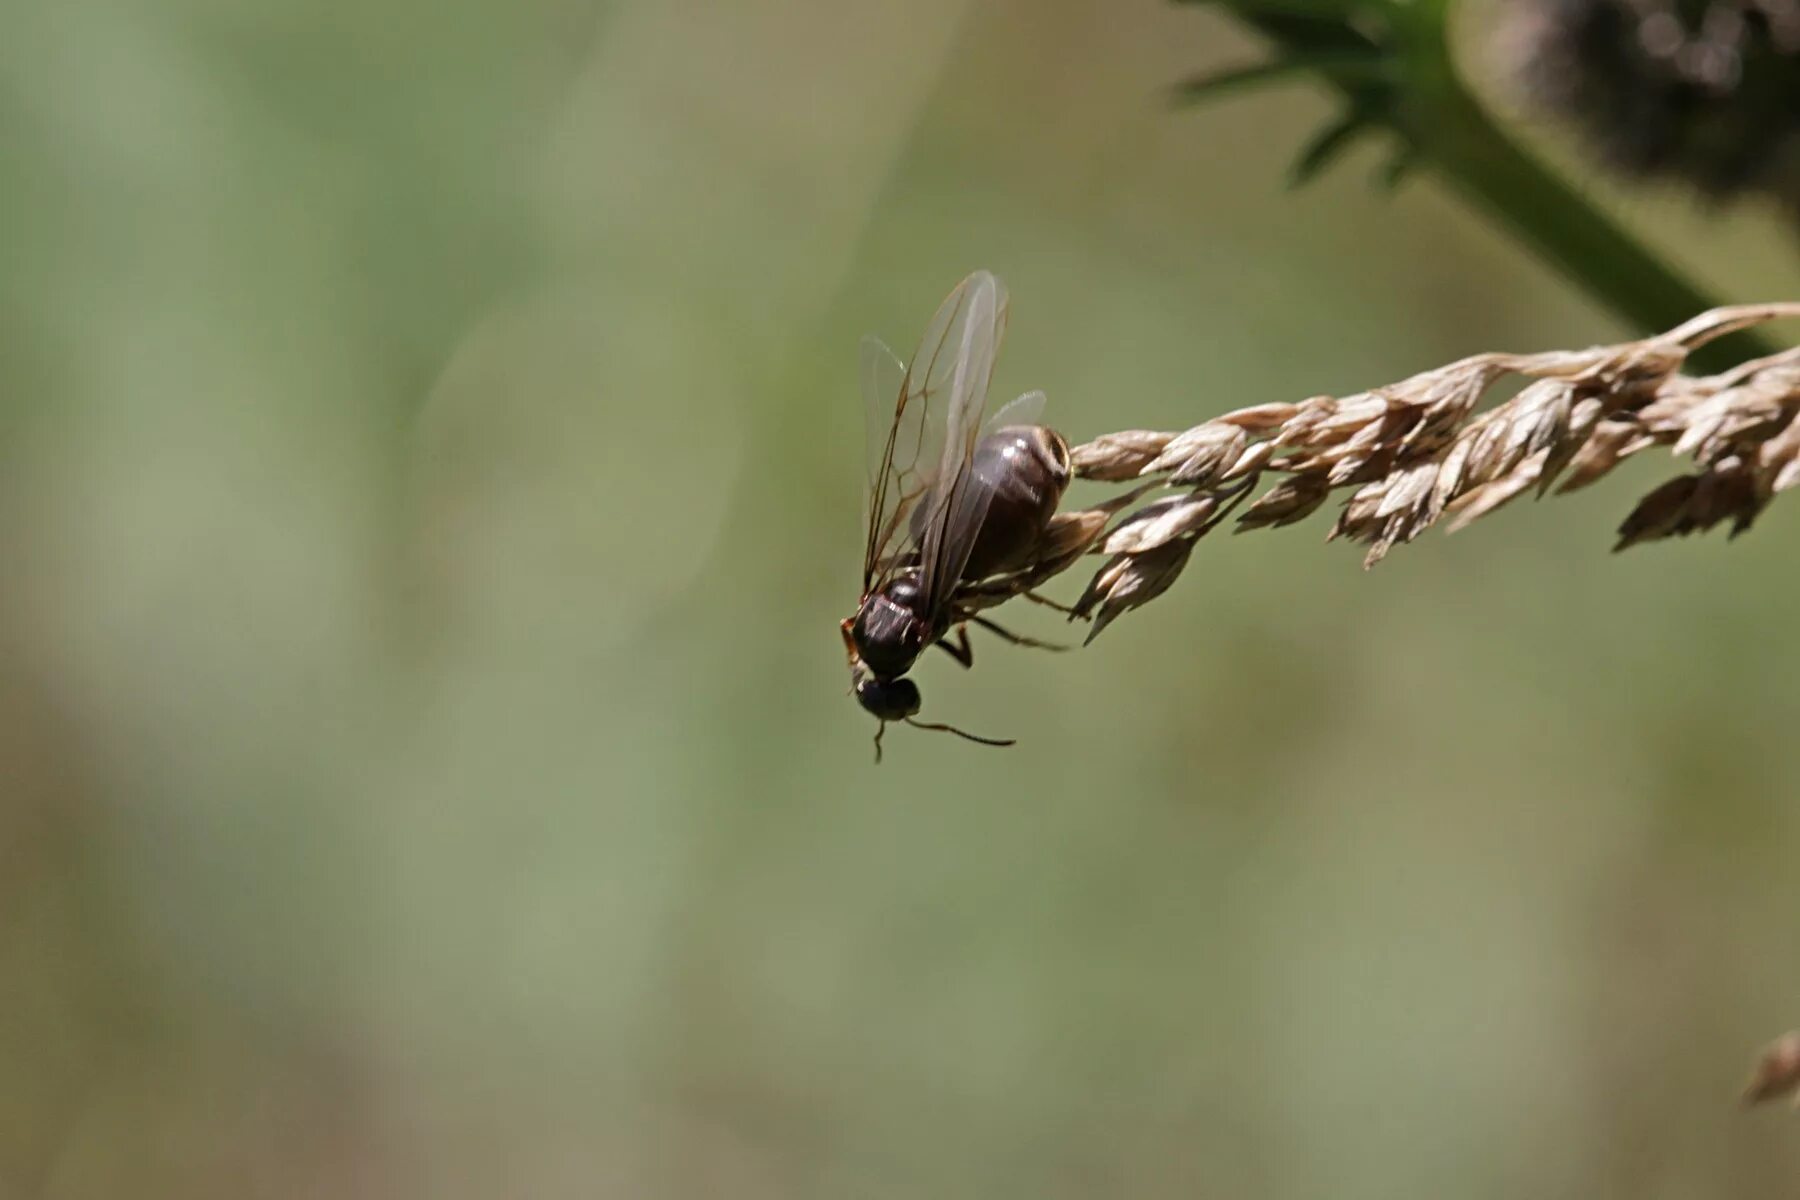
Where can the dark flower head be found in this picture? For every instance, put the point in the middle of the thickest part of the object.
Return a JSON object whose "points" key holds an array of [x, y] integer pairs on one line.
{"points": [[1706, 91]]}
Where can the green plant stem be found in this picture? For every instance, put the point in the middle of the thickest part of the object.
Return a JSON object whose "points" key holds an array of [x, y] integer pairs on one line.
{"points": [[1438, 115], [1476, 158]]}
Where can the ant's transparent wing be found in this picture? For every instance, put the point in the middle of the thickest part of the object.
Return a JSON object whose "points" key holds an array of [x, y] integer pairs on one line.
{"points": [[959, 501], [1027, 409], [924, 421], [898, 449]]}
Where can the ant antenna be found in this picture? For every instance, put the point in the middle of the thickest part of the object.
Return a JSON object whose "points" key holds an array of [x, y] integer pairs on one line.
{"points": [[961, 733], [880, 728]]}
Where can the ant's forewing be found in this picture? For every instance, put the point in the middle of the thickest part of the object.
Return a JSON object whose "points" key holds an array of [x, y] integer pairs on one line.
{"points": [[958, 500], [920, 449]]}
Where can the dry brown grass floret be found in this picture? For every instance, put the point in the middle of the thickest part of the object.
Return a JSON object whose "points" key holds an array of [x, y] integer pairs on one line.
{"points": [[1422, 450], [1777, 1071]]}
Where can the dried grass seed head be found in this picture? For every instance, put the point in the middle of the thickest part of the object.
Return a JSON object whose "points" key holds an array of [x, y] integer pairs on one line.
{"points": [[1418, 451]]}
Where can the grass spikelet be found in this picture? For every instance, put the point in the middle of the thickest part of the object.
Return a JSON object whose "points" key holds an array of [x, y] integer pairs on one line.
{"points": [[1412, 453]]}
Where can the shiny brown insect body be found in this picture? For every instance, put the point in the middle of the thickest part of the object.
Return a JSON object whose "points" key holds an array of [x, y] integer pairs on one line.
{"points": [[950, 505]]}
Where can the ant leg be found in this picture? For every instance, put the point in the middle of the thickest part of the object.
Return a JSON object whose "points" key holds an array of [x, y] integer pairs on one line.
{"points": [[1046, 601], [962, 652], [1015, 638]]}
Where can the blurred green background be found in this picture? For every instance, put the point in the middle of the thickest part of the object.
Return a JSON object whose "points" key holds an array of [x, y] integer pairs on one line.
{"points": [[430, 466]]}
